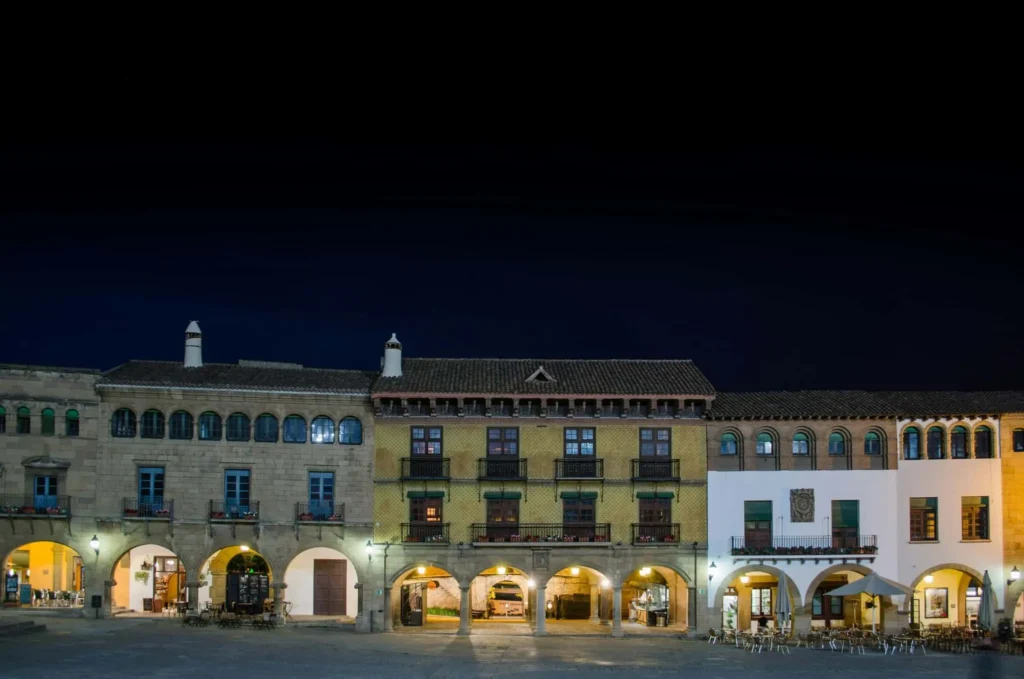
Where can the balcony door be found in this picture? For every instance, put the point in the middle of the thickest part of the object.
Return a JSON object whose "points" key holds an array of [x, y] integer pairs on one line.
{"points": [[757, 523], [45, 492], [425, 517], [502, 517], [579, 450], [236, 491], [151, 490], [578, 516], [502, 453], [321, 494], [655, 518], [426, 447], [845, 524]]}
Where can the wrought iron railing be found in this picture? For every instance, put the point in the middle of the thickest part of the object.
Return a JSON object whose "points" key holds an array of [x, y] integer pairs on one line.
{"points": [[426, 467], [151, 508], [497, 469], [58, 506], [655, 533], [583, 468], [425, 533], [809, 544], [320, 511], [654, 469], [234, 511], [540, 532]]}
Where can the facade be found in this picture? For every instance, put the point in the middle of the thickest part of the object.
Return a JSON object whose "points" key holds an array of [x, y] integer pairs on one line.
{"points": [[1012, 445]]}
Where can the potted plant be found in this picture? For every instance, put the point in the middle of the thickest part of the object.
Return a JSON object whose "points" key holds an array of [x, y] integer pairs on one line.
{"points": [[27, 509], [306, 516], [131, 512], [142, 576], [216, 515]]}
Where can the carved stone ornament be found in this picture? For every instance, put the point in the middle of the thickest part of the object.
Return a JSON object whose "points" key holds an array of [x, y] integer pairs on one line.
{"points": [[801, 505]]}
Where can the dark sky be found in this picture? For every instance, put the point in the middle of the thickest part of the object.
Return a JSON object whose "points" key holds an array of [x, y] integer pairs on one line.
{"points": [[773, 267]]}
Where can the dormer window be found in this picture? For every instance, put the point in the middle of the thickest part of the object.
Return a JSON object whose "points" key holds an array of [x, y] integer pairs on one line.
{"points": [[540, 375]]}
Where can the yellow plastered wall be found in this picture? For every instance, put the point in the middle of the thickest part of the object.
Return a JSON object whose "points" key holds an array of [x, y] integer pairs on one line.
{"points": [[1013, 495], [541, 443]]}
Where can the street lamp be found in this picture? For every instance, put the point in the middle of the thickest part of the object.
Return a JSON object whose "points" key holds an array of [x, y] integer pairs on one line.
{"points": [[369, 550], [712, 570], [95, 544], [1014, 576], [531, 583]]}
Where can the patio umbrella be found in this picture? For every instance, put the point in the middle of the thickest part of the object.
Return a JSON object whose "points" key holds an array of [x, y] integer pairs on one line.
{"points": [[873, 585], [783, 607], [986, 611]]}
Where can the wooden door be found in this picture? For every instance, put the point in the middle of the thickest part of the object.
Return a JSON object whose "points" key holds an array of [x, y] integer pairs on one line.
{"points": [[329, 586]]}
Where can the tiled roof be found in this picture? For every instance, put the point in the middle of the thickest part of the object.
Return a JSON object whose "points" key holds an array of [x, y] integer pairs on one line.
{"points": [[804, 404], [231, 376], [568, 377]]}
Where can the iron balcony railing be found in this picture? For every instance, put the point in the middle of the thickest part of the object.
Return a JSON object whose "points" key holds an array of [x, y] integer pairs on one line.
{"points": [[582, 468], [150, 508], [53, 506], [497, 469], [654, 469], [320, 511], [655, 533], [234, 511], [784, 545], [426, 467], [540, 532], [425, 533]]}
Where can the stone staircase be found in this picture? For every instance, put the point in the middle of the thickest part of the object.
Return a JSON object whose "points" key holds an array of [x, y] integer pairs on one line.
{"points": [[17, 628]]}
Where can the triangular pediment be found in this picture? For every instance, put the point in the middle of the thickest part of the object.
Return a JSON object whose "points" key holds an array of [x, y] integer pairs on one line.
{"points": [[540, 375], [45, 462]]}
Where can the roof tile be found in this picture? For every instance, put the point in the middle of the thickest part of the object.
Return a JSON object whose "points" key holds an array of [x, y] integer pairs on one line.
{"points": [[231, 376]]}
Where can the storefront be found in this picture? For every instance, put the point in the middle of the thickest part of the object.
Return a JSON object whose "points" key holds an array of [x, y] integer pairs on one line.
{"points": [[148, 579], [43, 574], [649, 598]]}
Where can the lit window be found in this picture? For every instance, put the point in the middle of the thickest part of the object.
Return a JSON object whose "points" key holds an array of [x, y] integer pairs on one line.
{"points": [[974, 517], [765, 444], [321, 430], [122, 424], [426, 440], [729, 444], [801, 444], [351, 431], [294, 429], [579, 441], [924, 519]]}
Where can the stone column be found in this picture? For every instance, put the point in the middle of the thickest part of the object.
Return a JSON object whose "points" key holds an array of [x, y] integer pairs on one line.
{"points": [[389, 615], [617, 611], [801, 622], [465, 609], [605, 611], [193, 595], [595, 603], [542, 610], [279, 588]]}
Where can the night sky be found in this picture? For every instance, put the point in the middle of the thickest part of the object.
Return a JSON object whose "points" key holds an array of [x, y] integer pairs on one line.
{"points": [[773, 267]]}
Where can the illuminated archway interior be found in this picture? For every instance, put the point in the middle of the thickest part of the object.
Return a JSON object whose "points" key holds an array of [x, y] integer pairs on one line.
{"points": [[44, 573], [425, 594], [946, 596], [500, 593], [148, 578], [235, 574], [652, 591]]}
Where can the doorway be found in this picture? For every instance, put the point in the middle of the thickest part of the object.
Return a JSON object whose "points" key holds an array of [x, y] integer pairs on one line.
{"points": [[329, 586]]}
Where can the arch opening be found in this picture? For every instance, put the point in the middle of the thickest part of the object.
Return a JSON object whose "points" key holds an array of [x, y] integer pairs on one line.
{"points": [[579, 598], [653, 592], [748, 597], [44, 573], [501, 594], [236, 579], [948, 594], [321, 581], [425, 595], [148, 580]]}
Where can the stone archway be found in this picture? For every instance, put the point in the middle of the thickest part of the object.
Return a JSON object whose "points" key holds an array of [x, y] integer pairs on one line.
{"points": [[958, 585], [794, 593], [832, 570], [322, 580]]}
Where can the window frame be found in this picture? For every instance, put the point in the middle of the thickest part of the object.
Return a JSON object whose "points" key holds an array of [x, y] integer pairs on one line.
{"points": [[345, 436], [503, 442], [650, 508], [155, 484], [216, 426], [975, 520], [502, 507], [256, 430], [172, 425], [69, 418], [834, 436], [906, 434], [931, 508], [429, 441], [239, 474], [961, 435], [23, 420], [983, 452], [580, 441], [231, 429], [289, 438], [765, 447], [312, 430], [426, 503], [123, 424], [580, 506], [806, 440], [873, 436], [760, 601], [655, 441], [48, 422], [3, 420], [732, 438], [146, 430], [1018, 440], [941, 438]]}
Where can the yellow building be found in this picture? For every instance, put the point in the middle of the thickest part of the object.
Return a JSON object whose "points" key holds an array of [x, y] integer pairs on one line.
{"points": [[1012, 428]]}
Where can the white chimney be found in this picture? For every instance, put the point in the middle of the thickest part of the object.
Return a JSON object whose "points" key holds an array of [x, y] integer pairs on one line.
{"points": [[392, 358], [193, 346]]}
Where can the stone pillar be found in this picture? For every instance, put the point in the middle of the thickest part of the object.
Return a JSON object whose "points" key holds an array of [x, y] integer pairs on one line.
{"points": [[606, 607], [542, 611], [279, 588], [595, 603], [801, 622], [617, 611], [192, 595], [389, 616], [465, 609]]}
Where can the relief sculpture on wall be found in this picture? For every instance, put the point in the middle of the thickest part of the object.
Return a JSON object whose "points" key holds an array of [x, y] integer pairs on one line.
{"points": [[801, 505]]}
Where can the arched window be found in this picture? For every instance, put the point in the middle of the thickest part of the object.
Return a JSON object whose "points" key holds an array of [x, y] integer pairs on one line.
{"points": [[70, 423], [351, 431], [801, 444], [911, 443], [936, 443], [152, 424], [982, 442], [728, 444], [765, 444], [48, 427], [958, 443], [181, 426], [294, 429], [209, 426], [122, 424], [24, 421], [872, 443], [238, 427], [3, 420], [836, 444], [321, 430], [266, 429]]}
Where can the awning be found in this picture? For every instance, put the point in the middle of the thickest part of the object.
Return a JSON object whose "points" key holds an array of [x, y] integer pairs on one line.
{"points": [[579, 495], [655, 496], [424, 493], [503, 495]]}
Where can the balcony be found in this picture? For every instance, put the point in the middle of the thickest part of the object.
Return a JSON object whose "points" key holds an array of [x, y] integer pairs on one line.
{"points": [[557, 534], [787, 546], [35, 507], [156, 509], [321, 511], [425, 468], [583, 468], [233, 512], [655, 533], [497, 469], [425, 533], [653, 469]]}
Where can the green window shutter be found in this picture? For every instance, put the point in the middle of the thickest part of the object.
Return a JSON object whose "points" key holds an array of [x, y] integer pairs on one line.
{"points": [[655, 496], [424, 493], [757, 510], [846, 513], [503, 495], [577, 495]]}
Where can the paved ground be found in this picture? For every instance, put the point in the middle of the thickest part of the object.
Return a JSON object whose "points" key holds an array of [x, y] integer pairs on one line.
{"points": [[119, 648]]}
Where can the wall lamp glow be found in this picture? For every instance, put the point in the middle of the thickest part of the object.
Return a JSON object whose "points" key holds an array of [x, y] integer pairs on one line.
{"points": [[744, 579], [929, 579], [605, 583], [502, 570], [575, 571], [422, 570], [95, 544], [369, 550], [712, 570], [645, 571], [531, 583], [1014, 576], [244, 548]]}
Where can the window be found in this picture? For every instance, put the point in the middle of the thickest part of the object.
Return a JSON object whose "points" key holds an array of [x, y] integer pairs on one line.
{"points": [[236, 491], [351, 431], [505, 510], [757, 523], [958, 443], [982, 442], [656, 442], [321, 495], [238, 427], [45, 492], [836, 444], [872, 443], [936, 444], [761, 602], [825, 607], [845, 524], [911, 443], [1018, 440], [578, 510], [974, 517], [765, 445], [579, 441], [70, 422], [321, 430], [153, 424], [151, 490], [729, 445], [655, 510], [122, 424], [266, 429], [48, 427], [801, 444], [502, 441], [425, 510], [209, 427], [294, 429], [181, 426], [924, 519], [426, 440], [24, 425], [3, 420]]}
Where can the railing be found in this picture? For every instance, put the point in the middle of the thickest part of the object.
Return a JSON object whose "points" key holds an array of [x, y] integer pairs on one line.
{"points": [[584, 468], [492, 468], [320, 511], [558, 410], [540, 532], [426, 467], [655, 533], [155, 508], [503, 410], [784, 545], [53, 506], [654, 469], [234, 511], [418, 410], [426, 533]]}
